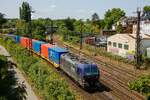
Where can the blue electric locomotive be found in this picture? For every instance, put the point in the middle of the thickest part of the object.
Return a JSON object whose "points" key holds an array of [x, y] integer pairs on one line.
{"points": [[81, 70]]}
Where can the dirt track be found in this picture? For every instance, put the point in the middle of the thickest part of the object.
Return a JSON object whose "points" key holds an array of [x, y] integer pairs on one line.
{"points": [[30, 93]]}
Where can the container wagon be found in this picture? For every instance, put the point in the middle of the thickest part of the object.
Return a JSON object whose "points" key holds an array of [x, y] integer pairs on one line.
{"points": [[36, 46], [55, 54], [11, 36], [81, 70], [17, 39], [44, 50]]}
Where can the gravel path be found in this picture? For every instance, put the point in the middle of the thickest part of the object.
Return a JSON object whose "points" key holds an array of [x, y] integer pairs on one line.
{"points": [[30, 93]]}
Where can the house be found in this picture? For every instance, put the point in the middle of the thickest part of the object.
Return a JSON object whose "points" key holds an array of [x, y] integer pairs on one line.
{"points": [[125, 21], [144, 24], [148, 52], [124, 44], [144, 27], [127, 24], [106, 32]]}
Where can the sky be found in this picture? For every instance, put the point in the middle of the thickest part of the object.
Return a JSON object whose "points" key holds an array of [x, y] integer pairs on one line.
{"points": [[80, 9]]}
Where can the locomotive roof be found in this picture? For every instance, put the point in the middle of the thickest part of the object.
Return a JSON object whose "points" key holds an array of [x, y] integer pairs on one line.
{"points": [[76, 59]]}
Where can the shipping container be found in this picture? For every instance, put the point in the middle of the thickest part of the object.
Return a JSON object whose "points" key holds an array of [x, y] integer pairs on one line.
{"points": [[36, 45], [23, 41], [17, 39], [29, 43], [55, 54], [26, 42], [44, 49]]}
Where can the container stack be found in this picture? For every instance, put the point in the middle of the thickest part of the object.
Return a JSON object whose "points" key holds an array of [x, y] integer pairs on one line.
{"points": [[17, 38], [44, 49], [26, 42], [36, 45], [55, 54]]}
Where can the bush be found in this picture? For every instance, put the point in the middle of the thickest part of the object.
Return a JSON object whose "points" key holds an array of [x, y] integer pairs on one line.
{"points": [[46, 80], [147, 62], [141, 85]]}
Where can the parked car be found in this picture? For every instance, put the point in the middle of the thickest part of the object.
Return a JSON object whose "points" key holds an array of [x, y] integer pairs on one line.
{"points": [[101, 41]]}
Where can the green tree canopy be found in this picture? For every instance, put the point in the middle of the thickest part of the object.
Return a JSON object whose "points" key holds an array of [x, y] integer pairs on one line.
{"points": [[95, 17], [69, 23], [25, 12], [146, 12], [146, 9], [2, 19], [95, 28], [112, 16]]}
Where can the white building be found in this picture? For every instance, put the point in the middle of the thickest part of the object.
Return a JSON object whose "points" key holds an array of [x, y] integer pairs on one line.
{"points": [[148, 52], [122, 44], [144, 27]]}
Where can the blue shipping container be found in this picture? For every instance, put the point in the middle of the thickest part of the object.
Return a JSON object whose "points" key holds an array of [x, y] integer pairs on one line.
{"points": [[36, 45], [55, 53], [17, 38]]}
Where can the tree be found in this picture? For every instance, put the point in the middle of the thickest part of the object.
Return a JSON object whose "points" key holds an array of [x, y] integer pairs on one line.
{"points": [[102, 24], [95, 17], [2, 20], [119, 28], [69, 23], [146, 9], [146, 12], [112, 16], [95, 23], [25, 12], [77, 25]]}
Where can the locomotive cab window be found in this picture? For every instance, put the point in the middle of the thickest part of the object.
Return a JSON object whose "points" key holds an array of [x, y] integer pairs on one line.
{"points": [[94, 71]]}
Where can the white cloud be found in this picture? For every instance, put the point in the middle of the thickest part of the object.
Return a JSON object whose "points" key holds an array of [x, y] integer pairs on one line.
{"points": [[53, 6], [81, 11]]}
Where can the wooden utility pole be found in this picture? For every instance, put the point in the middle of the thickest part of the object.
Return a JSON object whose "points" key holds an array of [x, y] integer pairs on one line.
{"points": [[81, 36], [30, 37], [138, 41], [51, 34]]}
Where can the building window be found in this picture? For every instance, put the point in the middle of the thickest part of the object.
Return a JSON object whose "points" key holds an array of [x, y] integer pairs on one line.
{"points": [[126, 47], [109, 43], [114, 44], [119, 45]]}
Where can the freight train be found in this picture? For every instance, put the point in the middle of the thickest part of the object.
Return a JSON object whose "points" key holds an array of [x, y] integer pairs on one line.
{"points": [[81, 70]]}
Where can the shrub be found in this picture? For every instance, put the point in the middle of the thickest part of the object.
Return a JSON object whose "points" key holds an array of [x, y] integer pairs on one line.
{"points": [[50, 84], [147, 62], [141, 85]]}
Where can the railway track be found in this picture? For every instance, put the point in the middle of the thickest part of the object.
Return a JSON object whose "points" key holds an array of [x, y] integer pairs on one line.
{"points": [[114, 77], [84, 94], [116, 88]]}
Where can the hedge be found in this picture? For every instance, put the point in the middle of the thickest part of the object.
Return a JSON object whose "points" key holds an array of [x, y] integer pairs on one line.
{"points": [[48, 82]]}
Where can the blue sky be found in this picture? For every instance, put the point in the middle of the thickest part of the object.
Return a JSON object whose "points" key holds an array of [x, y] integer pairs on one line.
{"points": [[80, 9]]}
